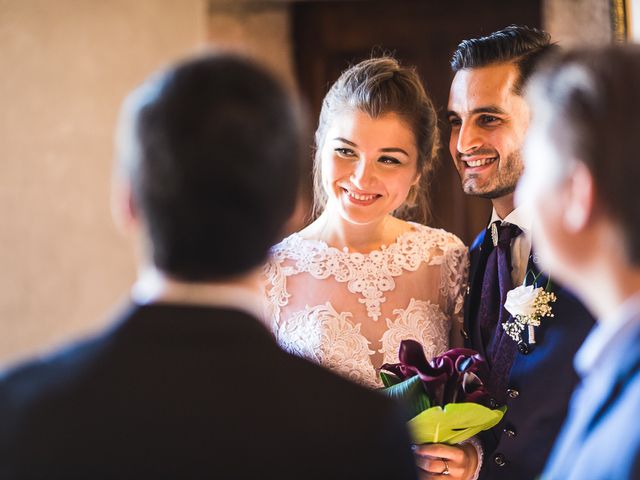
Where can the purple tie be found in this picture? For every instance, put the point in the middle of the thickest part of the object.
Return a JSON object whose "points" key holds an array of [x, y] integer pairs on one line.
{"points": [[500, 348]]}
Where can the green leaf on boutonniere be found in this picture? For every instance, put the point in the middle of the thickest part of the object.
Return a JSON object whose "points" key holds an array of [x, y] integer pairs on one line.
{"points": [[454, 423], [411, 394]]}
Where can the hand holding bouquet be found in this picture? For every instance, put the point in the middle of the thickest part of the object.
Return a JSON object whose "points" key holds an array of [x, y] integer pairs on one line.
{"points": [[446, 397]]}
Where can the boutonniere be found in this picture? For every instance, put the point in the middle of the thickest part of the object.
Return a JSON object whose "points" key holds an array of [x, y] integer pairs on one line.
{"points": [[528, 305]]}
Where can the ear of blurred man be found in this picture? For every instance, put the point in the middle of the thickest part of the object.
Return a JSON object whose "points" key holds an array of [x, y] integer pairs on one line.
{"points": [[123, 209], [579, 211]]}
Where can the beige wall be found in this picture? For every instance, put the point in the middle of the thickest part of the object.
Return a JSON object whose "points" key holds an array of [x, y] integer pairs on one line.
{"points": [[578, 22], [633, 19], [66, 65], [259, 28]]}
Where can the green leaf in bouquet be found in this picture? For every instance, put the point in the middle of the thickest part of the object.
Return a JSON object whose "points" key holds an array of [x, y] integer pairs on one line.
{"points": [[389, 379], [453, 423], [411, 394]]}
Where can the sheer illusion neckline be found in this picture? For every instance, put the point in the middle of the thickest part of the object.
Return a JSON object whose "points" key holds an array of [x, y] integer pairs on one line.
{"points": [[314, 316], [321, 244]]}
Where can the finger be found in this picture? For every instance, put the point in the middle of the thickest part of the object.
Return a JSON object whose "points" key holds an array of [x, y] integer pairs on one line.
{"points": [[422, 475], [431, 465], [455, 454], [429, 476]]}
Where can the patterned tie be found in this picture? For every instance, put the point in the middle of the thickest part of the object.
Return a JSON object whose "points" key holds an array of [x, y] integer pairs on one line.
{"points": [[500, 348]]}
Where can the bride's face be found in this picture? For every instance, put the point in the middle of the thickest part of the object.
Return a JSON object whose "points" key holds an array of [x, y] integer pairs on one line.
{"points": [[368, 165]]}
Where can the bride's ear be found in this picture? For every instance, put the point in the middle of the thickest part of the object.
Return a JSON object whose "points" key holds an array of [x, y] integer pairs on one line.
{"points": [[580, 198]]}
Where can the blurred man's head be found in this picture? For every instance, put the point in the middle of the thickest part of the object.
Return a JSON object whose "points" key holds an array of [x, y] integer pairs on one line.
{"points": [[487, 112], [582, 171], [211, 152]]}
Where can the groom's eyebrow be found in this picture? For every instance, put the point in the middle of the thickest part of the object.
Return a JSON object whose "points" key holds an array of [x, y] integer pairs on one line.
{"points": [[492, 109], [489, 109]]}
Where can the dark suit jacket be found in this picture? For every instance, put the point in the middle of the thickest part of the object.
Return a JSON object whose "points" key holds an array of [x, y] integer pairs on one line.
{"points": [[601, 438], [193, 392], [540, 382]]}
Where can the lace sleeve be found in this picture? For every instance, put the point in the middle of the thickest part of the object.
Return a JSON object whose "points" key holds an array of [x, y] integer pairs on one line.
{"points": [[275, 289], [455, 270]]}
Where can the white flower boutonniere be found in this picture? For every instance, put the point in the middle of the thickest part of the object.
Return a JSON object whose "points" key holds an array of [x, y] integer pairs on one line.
{"points": [[528, 305]]}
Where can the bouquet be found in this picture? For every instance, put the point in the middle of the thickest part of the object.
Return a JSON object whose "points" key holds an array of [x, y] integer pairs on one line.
{"points": [[446, 397]]}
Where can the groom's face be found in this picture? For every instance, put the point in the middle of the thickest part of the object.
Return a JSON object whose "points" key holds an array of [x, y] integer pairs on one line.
{"points": [[488, 123]]}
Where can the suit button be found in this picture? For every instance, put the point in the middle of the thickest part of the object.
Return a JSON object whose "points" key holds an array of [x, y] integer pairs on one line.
{"points": [[513, 393], [524, 348], [500, 459], [509, 432]]}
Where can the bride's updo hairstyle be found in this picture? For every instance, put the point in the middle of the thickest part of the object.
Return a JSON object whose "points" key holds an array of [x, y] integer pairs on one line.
{"points": [[379, 86]]}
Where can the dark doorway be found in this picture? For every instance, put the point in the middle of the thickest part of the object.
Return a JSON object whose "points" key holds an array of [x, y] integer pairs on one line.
{"points": [[331, 35]]}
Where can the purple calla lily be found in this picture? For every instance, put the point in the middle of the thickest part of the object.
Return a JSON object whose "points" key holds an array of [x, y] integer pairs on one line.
{"points": [[458, 375]]}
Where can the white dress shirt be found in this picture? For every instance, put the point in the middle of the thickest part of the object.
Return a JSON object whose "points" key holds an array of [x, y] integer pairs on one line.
{"points": [[521, 245], [153, 287]]}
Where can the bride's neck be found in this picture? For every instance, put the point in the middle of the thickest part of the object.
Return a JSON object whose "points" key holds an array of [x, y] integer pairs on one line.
{"points": [[332, 229]]}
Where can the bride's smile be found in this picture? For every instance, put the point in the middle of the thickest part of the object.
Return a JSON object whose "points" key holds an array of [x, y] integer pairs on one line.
{"points": [[368, 165]]}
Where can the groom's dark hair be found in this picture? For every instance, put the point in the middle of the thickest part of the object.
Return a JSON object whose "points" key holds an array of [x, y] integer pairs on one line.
{"points": [[523, 46], [212, 150], [594, 119]]}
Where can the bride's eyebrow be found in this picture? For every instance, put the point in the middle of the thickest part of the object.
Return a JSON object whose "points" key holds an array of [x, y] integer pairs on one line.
{"points": [[344, 140], [394, 150], [385, 150]]}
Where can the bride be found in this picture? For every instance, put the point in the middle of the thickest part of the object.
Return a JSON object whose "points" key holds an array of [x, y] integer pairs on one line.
{"points": [[350, 286]]}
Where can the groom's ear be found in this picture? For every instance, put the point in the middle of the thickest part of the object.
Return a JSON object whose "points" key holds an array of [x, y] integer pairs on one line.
{"points": [[580, 201]]}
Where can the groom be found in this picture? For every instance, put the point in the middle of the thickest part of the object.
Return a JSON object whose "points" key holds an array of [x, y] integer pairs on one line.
{"points": [[531, 369], [188, 382]]}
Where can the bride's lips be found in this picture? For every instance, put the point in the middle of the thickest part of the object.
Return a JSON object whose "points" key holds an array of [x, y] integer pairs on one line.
{"points": [[359, 198]]}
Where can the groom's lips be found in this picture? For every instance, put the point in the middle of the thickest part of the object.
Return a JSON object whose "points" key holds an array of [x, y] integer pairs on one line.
{"points": [[477, 163]]}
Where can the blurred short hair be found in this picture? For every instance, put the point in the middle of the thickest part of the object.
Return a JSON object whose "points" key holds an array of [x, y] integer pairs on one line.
{"points": [[212, 150]]}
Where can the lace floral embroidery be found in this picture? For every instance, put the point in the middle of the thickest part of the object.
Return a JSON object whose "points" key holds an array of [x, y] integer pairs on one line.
{"points": [[422, 321], [327, 337], [334, 338], [369, 274]]}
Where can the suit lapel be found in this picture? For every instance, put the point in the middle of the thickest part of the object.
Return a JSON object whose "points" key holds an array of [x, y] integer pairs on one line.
{"points": [[479, 253]]}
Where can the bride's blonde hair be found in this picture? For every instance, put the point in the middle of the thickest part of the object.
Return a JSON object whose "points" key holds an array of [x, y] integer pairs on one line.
{"points": [[379, 86]]}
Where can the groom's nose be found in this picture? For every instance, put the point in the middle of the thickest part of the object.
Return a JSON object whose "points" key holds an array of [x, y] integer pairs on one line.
{"points": [[468, 139]]}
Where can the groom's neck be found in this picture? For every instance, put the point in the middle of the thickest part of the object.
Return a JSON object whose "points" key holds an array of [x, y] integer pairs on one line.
{"points": [[503, 205]]}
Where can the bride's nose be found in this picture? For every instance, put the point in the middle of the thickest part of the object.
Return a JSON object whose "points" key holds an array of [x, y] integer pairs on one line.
{"points": [[363, 174]]}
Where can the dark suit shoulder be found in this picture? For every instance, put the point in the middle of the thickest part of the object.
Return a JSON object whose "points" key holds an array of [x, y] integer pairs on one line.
{"points": [[351, 415], [201, 389], [49, 372]]}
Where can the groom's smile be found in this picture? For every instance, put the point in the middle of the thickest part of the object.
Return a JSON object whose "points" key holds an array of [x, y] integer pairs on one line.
{"points": [[488, 120]]}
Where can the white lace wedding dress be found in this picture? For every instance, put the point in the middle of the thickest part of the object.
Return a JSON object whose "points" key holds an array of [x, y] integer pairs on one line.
{"points": [[349, 311]]}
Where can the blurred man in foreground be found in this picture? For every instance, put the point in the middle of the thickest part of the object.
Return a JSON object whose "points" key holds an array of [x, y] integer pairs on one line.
{"points": [[188, 382], [582, 174]]}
